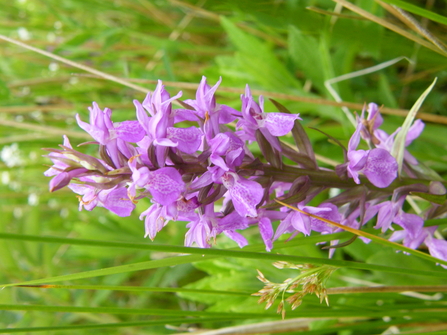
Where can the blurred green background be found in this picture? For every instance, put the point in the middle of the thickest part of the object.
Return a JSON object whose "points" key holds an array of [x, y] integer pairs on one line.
{"points": [[290, 47]]}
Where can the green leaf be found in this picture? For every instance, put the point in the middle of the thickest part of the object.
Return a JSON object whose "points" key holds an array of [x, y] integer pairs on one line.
{"points": [[437, 199], [74, 42], [398, 149], [304, 49], [113, 36], [257, 59]]}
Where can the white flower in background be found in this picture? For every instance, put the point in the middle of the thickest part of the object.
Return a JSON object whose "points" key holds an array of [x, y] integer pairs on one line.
{"points": [[11, 155]]}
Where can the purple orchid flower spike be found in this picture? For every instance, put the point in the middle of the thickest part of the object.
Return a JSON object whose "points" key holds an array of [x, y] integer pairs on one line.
{"points": [[271, 125], [377, 164], [206, 175]]}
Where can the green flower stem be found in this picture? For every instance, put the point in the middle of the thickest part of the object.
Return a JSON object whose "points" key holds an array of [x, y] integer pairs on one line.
{"points": [[331, 179]]}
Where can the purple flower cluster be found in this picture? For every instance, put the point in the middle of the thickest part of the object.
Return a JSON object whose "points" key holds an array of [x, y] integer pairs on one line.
{"points": [[195, 165]]}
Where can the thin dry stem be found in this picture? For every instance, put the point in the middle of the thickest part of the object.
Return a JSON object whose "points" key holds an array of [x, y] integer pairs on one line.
{"points": [[45, 129], [276, 95], [411, 22], [76, 65]]}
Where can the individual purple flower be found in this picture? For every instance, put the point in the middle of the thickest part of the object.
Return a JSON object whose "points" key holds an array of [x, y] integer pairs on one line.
{"points": [[203, 228], [271, 125], [377, 164], [129, 131], [298, 222], [70, 164], [387, 212], [264, 221], [412, 224], [387, 141], [114, 199], [227, 151], [158, 216], [245, 194], [207, 109], [58, 159], [101, 126], [412, 234], [112, 136], [154, 220], [370, 124], [62, 171], [188, 140], [391, 211], [64, 178], [371, 133], [159, 105], [437, 248], [165, 184], [229, 224], [199, 232]]}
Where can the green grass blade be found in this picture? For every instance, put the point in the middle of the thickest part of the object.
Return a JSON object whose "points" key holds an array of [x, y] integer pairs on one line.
{"points": [[138, 289], [203, 254], [128, 311], [114, 325], [418, 11]]}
